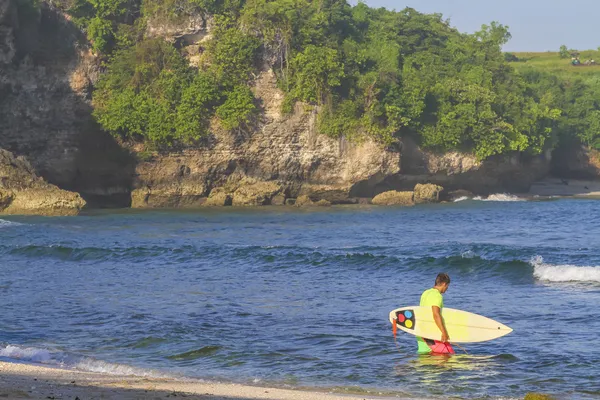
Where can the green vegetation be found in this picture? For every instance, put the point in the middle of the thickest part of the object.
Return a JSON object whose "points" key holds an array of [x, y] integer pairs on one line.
{"points": [[553, 63], [575, 90], [367, 72]]}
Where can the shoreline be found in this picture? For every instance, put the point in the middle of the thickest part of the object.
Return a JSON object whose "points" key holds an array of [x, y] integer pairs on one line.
{"points": [[566, 188], [28, 381]]}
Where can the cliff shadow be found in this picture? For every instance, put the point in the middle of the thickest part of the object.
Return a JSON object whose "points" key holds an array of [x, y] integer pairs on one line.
{"points": [[573, 160], [513, 173], [46, 111]]}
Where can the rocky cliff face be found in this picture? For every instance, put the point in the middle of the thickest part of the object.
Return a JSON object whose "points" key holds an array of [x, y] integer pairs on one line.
{"points": [[574, 161], [459, 171], [22, 192], [283, 149], [46, 78]]}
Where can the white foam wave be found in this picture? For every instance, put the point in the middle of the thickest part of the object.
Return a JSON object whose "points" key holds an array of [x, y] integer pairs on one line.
{"points": [[91, 365], [563, 272], [499, 197], [468, 254], [462, 198], [64, 360], [26, 354], [5, 224]]}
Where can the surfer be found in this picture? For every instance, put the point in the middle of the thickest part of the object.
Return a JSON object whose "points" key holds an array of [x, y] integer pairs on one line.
{"points": [[433, 298]]}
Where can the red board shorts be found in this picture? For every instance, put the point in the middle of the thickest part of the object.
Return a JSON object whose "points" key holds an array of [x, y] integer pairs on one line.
{"points": [[438, 347]]}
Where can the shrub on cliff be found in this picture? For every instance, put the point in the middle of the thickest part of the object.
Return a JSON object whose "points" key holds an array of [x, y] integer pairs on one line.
{"points": [[238, 109], [139, 94], [233, 54], [150, 93], [101, 19]]}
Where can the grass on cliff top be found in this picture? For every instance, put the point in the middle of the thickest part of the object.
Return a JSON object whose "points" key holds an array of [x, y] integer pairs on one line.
{"points": [[552, 63]]}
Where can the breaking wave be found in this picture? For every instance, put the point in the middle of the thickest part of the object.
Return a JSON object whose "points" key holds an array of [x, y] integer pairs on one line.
{"points": [[563, 272], [493, 197], [462, 198], [64, 360], [499, 197], [5, 224]]}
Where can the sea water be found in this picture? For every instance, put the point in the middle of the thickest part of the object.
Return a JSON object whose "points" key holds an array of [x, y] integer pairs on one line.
{"points": [[300, 297]]}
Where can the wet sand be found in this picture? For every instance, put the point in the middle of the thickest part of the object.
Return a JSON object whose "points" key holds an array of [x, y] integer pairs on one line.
{"points": [[24, 381]]}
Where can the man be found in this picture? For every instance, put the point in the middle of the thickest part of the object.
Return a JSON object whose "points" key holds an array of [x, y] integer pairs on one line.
{"points": [[433, 298]]}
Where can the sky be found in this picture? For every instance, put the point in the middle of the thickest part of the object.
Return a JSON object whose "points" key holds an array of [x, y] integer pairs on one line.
{"points": [[535, 25]]}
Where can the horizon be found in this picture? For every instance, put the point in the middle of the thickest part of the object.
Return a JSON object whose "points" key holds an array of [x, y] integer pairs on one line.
{"points": [[539, 25]]}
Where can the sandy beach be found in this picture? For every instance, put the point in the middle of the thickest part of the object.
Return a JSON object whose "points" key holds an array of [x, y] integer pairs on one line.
{"points": [[24, 381], [565, 188]]}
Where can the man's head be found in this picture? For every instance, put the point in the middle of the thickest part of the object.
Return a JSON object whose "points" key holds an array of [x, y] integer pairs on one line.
{"points": [[442, 281]]}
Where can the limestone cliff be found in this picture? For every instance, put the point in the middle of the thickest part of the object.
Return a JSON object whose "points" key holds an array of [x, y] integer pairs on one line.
{"points": [[22, 192], [284, 149], [514, 172]]}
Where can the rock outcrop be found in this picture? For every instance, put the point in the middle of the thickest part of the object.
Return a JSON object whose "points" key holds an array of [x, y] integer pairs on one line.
{"points": [[393, 198], [303, 201], [219, 197], [514, 172], [427, 193], [255, 193], [23, 192]]}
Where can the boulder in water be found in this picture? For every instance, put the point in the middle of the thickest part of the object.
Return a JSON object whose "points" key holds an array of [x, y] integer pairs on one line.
{"points": [[303, 200], [322, 203], [258, 193], [427, 193], [23, 192], [393, 198]]}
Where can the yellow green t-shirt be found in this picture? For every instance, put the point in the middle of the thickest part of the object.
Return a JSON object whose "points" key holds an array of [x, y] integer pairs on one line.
{"points": [[429, 298]]}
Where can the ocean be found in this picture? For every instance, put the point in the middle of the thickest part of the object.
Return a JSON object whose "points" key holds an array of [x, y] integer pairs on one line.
{"points": [[300, 297]]}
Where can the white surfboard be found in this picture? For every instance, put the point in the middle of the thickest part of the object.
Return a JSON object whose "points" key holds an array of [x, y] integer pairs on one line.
{"points": [[462, 326]]}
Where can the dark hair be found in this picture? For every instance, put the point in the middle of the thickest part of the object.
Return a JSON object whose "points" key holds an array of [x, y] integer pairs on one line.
{"points": [[442, 278]]}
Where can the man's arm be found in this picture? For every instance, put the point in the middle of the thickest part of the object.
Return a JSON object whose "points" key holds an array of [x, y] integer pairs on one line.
{"points": [[437, 317]]}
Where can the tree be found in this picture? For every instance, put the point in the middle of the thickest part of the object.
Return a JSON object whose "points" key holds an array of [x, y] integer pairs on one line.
{"points": [[139, 95], [495, 34], [316, 71], [564, 52], [238, 109], [233, 53]]}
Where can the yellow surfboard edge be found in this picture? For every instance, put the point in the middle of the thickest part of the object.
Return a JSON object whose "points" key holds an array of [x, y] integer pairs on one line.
{"points": [[462, 326]]}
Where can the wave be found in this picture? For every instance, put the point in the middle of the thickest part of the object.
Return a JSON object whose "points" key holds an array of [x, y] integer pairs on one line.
{"points": [[492, 197], [71, 361], [563, 272], [499, 197], [462, 198], [205, 351], [68, 253], [5, 224]]}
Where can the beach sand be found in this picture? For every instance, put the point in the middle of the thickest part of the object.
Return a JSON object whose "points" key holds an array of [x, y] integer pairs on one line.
{"points": [[566, 188], [24, 381]]}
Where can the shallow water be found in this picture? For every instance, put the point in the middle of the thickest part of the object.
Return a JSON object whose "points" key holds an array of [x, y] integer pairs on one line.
{"points": [[301, 297]]}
